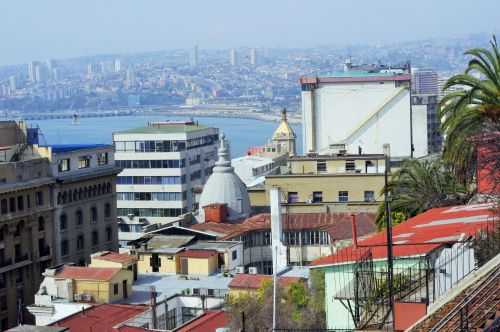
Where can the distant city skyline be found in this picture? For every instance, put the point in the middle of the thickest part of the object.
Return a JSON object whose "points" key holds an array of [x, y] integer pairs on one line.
{"points": [[33, 30]]}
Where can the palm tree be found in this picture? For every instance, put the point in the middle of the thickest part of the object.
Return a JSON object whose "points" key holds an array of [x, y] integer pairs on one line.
{"points": [[472, 112], [420, 185]]}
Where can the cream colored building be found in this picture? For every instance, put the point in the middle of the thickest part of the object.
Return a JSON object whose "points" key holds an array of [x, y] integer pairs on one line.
{"points": [[329, 183]]}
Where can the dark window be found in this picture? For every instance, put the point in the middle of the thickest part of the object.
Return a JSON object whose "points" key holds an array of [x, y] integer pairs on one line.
{"points": [[102, 158], [95, 238], [39, 198], [93, 214], [20, 203], [3, 206], [3, 304], [28, 201], [107, 210], [80, 242], [41, 223], [12, 204], [64, 247], [369, 196], [115, 289], [293, 197], [321, 166], [79, 217], [63, 165], [109, 234], [63, 222], [343, 196], [350, 166], [234, 255], [317, 197]]}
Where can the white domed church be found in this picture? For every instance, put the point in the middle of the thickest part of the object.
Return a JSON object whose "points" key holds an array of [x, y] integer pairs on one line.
{"points": [[224, 187]]}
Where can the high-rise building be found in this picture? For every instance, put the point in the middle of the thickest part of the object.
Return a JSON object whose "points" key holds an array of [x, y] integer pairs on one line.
{"points": [[40, 73], [130, 78], [193, 59], [233, 57], [12, 83], [164, 164], [253, 57], [429, 103], [368, 108], [118, 65], [424, 82], [32, 71]]}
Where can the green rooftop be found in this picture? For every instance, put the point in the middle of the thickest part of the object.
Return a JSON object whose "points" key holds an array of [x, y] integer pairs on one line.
{"points": [[165, 128]]}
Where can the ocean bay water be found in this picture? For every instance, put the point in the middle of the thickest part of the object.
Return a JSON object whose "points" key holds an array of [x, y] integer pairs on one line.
{"points": [[242, 133]]}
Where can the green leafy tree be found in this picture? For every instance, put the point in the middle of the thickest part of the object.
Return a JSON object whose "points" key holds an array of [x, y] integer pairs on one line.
{"points": [[418, 186], [472, 112]]}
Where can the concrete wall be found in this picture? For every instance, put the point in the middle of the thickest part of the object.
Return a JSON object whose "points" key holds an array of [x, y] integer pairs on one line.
{"points": [[202, 266], [103, 291]]}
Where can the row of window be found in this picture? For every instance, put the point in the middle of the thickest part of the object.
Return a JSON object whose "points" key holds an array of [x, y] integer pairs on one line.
{"points": [[79, 217], [19, 203], [84, 193], [317, 196], [151, 212], [80, 241], [64, 165], [291, 238], [164, 146], [151, 163], [151, 196], [350, 165], [151, 179]]}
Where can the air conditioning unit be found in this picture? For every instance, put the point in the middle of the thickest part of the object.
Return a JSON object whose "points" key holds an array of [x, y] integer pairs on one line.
{"points": [[78, 297], [240, 269], [86, 297], [252, 270]]}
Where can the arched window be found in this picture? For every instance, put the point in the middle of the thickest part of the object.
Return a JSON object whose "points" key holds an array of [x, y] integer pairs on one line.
{"points": [[93, 214], [95, 238], [41, 223], [80, 193], [107, 210], [75, 195], [3, 206], [108, 187], [99, 189], [59, 198], [64, 198], [70, 197], [94, 191], [79, 217]]}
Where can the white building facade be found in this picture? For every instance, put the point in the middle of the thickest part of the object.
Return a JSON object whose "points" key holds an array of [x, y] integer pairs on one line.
{"points": [[360, 111], [163, 164]]}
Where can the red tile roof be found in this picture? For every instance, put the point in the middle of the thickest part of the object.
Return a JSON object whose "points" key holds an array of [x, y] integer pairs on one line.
{"points": [[207, 322], [255, 281], [102, 318], [201, 253], [115, 257], [87, 273], [420, 235], [338, 225]]}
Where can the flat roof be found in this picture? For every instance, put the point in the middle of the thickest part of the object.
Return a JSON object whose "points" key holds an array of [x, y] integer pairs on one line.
{"points": [[165, 129], [352, 77], [61, 148], [337, 157]]}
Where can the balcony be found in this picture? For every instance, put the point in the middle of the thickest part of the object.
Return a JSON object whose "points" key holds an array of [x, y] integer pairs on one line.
{"points": [[44, 251], [5, 262], [21, 258]]}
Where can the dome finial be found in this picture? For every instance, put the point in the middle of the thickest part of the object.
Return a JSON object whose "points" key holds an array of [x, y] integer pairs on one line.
{"points": [[283, 114], [223, 164]]}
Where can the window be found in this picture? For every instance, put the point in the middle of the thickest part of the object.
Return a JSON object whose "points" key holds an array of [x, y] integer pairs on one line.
{"points": [[317, 197], [3, 206], [93, 214], [20, 203], [83, 162], [343, 196], [12, 204], [234, 255], [350, 166], [28, 201], [39, 198], [369, 196], [95, 238], [102, 158], [41, 224], [63, 165], [80, 242], [64, 248], [63, 222], [109, 234], [293, 197], [3, 303], [107, 210], [321, 166], [115, 289], [79, 217]]}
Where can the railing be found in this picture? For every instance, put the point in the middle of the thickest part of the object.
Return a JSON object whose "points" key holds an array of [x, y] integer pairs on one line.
{"points": [[5, 262], [475, 308], [21, 258]]}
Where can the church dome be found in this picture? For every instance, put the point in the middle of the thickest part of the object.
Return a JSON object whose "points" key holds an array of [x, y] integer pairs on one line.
{"points": [[284, 131], [225, 187]]}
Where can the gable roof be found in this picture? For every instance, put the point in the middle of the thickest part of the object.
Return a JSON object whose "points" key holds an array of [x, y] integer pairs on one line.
{"points": [[87, 273], [419, 235], [115, 257], [198, 253], [207, 322]]}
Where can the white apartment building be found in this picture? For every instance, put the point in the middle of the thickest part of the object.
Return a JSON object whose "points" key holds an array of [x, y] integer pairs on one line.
{"points": [[361, 110], [163, 164]]}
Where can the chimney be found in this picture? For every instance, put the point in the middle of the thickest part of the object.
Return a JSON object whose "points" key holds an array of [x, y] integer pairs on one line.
{"points": [[354, 231], [215, 212]]}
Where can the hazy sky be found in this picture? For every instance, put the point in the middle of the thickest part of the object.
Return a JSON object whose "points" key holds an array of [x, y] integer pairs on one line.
{"points": [[40, 29]]}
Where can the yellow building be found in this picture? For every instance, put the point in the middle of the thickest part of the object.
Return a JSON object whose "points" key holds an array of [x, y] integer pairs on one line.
{"points": [[329, 183], [114, 260], [198, 262], [96, 285], [163, 260]]}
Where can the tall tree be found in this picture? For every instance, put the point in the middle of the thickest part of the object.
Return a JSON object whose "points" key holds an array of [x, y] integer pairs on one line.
{"points": [[420, 185], [473, 111]]}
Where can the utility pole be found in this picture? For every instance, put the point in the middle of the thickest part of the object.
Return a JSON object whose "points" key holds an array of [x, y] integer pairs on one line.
{"points": [[388, 220], [412, 146]]}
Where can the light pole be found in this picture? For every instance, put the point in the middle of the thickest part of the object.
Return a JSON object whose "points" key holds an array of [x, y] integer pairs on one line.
{"points": [[388, 220]]}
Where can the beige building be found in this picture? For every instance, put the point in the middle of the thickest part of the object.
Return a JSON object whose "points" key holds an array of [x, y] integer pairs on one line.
{"points": [[329, 183], [84, 197]]}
